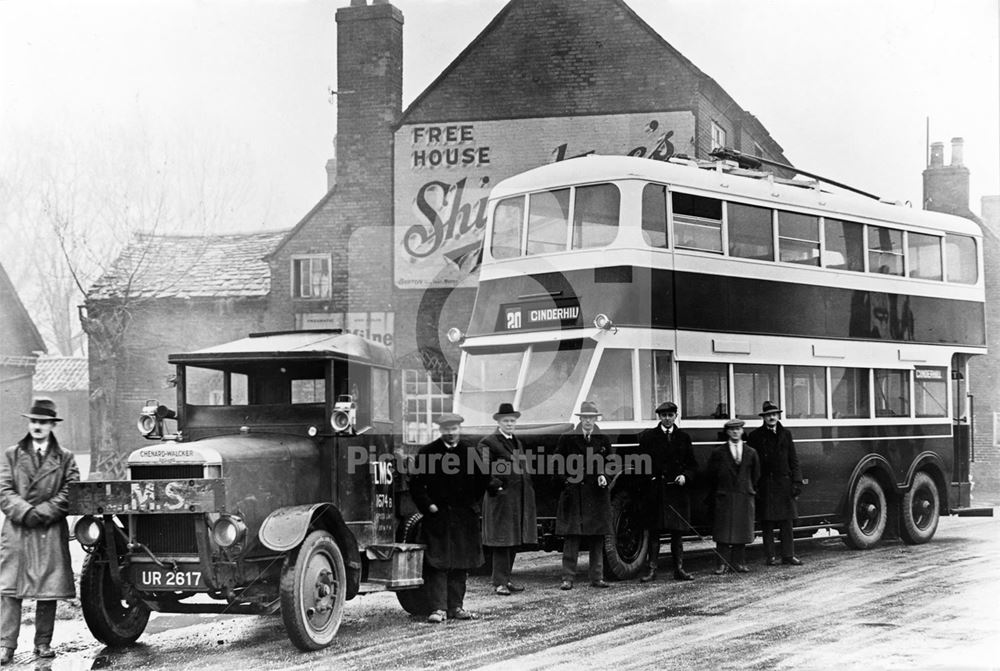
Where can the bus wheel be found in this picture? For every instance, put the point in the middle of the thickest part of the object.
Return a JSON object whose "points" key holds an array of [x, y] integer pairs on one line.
{"points": [[112, 617], [920, 510], [625, 548], [868, 514], [313, 587], [414, 600]]}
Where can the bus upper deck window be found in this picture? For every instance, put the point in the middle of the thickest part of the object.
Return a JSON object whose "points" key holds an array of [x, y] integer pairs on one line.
{"points": [[595, 216], [844, 245], [798, 238], [750, 234], [923, 254], [962, 259], [654, 215], [885, 250], [548, 221], [508, 219], [697, 222]]}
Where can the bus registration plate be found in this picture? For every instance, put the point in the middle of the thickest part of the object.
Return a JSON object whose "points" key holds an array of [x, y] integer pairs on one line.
{"points": [[156, 579]]}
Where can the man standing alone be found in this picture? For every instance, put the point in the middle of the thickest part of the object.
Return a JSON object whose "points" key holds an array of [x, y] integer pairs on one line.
{"points": [[35, 564], [780, 484]]}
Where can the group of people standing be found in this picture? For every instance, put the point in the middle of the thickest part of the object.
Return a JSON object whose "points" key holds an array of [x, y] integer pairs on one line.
{"points": [[749, 477]]}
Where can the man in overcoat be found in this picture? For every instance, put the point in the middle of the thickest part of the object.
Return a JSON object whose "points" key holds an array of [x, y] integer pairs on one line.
{"points": [[584, 508], [35, 475], [733, 471], [780, 484], [509, 517], [447, 487], [665, 499]]}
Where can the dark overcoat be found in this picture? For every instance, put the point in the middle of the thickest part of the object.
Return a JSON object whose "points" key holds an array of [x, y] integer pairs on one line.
{"points": [[584, 507], [733, 488], [509, 517], [779, 473], [667, 505], [454, 481], [35, 562]]}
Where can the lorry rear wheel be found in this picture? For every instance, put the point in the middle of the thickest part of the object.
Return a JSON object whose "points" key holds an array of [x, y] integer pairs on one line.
{"points": [[112, 618], [313, 590], [415, 600]]}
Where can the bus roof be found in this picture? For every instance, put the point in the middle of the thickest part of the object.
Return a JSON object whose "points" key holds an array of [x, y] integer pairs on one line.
{"points": [[331, 344], [727, 183]]}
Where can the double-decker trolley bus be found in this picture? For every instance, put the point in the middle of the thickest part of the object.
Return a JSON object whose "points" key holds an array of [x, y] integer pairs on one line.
{"points": [[627, 282]]}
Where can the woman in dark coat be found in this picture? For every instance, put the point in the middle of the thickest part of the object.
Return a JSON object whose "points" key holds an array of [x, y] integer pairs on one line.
{"points": [[509, 517], [447, 488], [665, 489], [733, 471], [584, 508], [779, 486]]}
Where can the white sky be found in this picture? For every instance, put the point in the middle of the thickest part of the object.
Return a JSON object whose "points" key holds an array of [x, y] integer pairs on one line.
{"points": [[845, 86]]}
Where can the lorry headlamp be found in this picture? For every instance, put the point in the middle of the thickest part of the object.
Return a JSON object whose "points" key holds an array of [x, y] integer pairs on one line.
{"points": [[88, 530], [151, 418], [344, 415], [228, 531]]}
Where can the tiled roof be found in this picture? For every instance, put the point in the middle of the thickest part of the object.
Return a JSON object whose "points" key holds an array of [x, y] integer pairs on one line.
{"points": [[61, 373], [181, 266]]}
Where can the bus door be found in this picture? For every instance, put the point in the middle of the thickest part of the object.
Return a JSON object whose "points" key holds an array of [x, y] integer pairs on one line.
{"points": [[962, 432]]}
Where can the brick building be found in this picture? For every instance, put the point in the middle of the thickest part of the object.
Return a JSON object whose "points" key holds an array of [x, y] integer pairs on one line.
{"points": [[165, 294], [390, 251], [946, 189], [20, 345]]}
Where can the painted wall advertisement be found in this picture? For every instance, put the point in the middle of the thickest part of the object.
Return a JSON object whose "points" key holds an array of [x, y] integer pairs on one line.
{"points": [[444, 173]]}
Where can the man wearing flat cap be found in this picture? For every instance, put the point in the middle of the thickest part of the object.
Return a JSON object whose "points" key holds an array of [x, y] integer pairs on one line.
{"points": [[35, 475], [447, 489], [584, 508], [733, 471], [665, 500], [509, 517], [780, 484]]}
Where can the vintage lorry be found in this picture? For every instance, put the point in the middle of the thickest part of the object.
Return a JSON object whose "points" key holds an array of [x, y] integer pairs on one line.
{"points": [[269, 488]]}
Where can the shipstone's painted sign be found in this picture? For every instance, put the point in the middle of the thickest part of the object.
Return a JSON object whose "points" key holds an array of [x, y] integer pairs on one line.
{"points": [[444, 173]]}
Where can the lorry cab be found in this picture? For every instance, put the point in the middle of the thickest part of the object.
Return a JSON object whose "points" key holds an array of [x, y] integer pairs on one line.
{"points": [[268, 488]]}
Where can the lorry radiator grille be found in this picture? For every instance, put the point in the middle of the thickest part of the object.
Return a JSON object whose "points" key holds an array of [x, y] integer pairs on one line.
{"points": [[167, 471], [167, 534]]}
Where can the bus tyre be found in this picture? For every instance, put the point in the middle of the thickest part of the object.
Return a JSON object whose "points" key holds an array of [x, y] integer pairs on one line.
{"points": [[313, 588], [625, 548], [114, 618], [414, 601], [867, 515], [920, 510]]}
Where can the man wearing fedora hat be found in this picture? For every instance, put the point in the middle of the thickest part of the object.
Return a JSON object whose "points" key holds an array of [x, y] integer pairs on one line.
{"points": [[447, 490], [34, 555], [509, 517], [665, 500], [584, 508], [780, 484]]}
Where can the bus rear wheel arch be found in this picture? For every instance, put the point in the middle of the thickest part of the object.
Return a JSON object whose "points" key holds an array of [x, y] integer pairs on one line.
{"points": [[920, 510], [867, 513]]}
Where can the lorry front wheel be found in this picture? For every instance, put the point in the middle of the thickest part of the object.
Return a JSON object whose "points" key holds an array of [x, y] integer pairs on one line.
{"points": [[112, 618], [313, 589]]}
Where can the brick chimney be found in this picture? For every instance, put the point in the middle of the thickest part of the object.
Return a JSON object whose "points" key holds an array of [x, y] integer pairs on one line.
{"points": [[369, 91], [946, 187]]}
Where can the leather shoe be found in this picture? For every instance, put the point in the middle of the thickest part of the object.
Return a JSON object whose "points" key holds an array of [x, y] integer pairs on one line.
{"points": [[502, 590], [566, 584], [649, 577], [742, 568], [462, 614], [794, 561], [722, 569], [681, 574], [514, 588], [44, 651], [6, 655], [772, 561], [437, 617], [599, 583]]}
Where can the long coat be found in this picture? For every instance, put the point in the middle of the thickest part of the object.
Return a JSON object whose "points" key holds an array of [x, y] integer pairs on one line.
{"points": [[509, 517], [779, 473], [35, 562], [732, 489], [584, 507], [667, 505], [454, 481]]}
